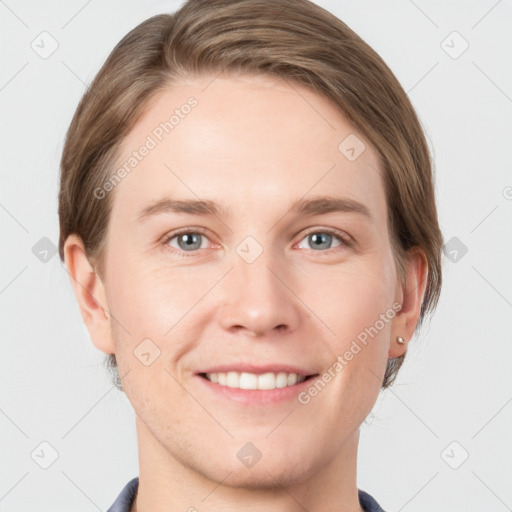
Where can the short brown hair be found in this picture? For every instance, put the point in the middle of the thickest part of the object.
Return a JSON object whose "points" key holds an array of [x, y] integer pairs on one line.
{"points": [[297, 41]]}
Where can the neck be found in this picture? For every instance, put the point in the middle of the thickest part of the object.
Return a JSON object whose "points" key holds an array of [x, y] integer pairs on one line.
{"points": [[166, 484]]}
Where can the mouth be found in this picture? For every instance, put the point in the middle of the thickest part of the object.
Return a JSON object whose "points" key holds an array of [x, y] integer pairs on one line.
{"points": [[251, 381]]}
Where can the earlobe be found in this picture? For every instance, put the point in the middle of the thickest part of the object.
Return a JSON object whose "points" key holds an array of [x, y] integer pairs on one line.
{"points": [[412, 293], [90, 294]]}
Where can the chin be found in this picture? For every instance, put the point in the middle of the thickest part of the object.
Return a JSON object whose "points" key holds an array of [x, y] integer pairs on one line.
{"points": [[266, 465], [266, 476]]}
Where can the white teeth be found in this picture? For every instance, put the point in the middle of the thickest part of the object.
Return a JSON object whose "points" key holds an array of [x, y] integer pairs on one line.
{"points": [[281, 380], [247, 381], [267, 381], [243, 380], [233, 380], [292, 379]]}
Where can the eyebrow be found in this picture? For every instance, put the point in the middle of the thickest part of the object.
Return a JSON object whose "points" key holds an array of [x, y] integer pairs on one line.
{"points": [[315, 206]]}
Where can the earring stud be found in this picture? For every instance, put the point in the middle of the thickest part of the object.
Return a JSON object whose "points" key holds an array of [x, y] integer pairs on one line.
{"points": [[400, 340]]}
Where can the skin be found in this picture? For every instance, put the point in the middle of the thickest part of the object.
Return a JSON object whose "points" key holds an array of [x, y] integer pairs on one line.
{"points": [[254, 145]]}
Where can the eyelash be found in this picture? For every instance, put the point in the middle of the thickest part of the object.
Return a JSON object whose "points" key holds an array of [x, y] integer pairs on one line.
{"points": [[344, 240]]}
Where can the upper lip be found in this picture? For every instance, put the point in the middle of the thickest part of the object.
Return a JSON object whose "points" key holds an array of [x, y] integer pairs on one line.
{"points": [[256, 369]]}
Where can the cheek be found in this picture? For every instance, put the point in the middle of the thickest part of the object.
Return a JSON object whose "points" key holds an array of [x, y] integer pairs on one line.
{"points": [[158, 310], [355, 295], [150, 298], [358, 307]]}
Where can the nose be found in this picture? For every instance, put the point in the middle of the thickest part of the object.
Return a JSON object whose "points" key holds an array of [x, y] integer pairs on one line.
{"points": [[258, 298]]}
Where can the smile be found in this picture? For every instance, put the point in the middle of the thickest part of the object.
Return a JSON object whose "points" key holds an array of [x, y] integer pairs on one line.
{"points": [[264, 381]]}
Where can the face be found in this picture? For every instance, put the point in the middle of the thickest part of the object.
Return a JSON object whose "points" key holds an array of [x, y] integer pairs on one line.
{"points": [[263, 279]]}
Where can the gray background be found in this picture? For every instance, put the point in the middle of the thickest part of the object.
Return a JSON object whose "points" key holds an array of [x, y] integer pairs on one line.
{"points": [[453, 397]]}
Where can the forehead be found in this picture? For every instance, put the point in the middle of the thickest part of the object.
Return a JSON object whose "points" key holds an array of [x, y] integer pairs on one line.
{"points": [[246, 140]]}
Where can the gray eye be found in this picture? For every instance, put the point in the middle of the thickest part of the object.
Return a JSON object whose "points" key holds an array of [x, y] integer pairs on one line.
{"points": [[319, 240], [188, 241]]}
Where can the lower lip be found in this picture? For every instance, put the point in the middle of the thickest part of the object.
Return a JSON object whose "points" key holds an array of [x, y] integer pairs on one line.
{"points": [[257, 396]]}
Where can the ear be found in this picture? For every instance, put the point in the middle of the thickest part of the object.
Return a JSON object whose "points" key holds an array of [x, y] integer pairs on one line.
{"points": [[410, 295], [90, 294]]}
